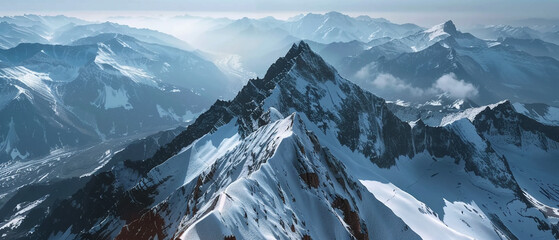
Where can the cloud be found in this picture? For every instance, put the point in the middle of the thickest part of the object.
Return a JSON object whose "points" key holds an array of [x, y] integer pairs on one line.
{"points": [[363, 73], [388, 82], [389, 85], [454, 87]]}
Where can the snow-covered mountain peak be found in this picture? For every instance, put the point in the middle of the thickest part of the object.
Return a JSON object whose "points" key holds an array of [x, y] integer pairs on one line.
{"points": [[297, 49], [300, 59], [441, 30], [334, 13], [446, 27], [339, 17], [367, 18], [424, 39], [110, 24]]}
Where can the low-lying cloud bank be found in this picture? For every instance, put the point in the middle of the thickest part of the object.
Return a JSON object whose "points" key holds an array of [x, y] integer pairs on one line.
{"points": [[455, 87], [448, 83], [388, 82]]}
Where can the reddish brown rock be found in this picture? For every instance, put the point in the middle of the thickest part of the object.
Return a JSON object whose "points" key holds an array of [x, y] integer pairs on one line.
{"points": [[351, 218], [310, 179], [146, 227]]}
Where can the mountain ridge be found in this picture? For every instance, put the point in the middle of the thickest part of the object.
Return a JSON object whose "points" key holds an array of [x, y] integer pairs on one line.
{"points": [[305, 119]]}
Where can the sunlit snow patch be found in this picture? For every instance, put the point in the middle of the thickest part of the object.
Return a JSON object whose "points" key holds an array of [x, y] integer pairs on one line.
{"points": [[112, 98], [420, 218]]}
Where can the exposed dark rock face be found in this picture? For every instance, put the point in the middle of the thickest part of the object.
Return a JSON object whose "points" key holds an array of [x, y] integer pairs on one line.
{"points": [[148, 226], [311, 179], [504, 120], [351, 218], [88, 201], [450, 28]]}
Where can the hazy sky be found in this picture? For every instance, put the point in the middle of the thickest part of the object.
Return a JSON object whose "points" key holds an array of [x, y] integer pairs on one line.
{"points": [[418, 11]]}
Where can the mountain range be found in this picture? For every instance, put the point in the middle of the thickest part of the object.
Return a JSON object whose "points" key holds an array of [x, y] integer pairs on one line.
{"points": [[304, 153], [492, 69], [272, 37], [350, 128], [57, 96], [65, 30], [433, 61], [547, 32]]}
